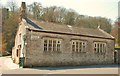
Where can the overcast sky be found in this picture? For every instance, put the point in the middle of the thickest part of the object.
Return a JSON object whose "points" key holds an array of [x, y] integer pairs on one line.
{"points": [[103, 8]]}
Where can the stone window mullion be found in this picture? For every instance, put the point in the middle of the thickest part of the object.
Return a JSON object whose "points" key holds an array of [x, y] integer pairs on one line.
{"points": [[51, 45], [47, 44], [75, 46], [56, 45], [81, 46], [78, 46], [102, 48]]}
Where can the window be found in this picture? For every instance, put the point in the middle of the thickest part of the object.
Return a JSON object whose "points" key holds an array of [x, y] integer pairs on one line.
{"points": [[20, 37], [73, 46], [58, 46], [17, 53], [54, 45], [51, 44], [100, 47], [45, 45], [78, 46]]}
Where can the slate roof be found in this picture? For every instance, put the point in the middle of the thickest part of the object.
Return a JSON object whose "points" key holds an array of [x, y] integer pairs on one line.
{"points": [[53, 27], [32, 24]]}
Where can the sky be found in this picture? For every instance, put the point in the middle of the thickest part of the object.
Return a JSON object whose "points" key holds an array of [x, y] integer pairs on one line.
{"points": [[103, 8]]}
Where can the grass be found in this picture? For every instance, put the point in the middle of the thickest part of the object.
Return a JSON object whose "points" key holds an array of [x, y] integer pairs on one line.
{"points": [[116, 46]]}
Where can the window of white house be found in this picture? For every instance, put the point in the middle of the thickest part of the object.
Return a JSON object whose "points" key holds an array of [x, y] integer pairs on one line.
{"points": [[100, 47], [78, 46], [51, 44]]}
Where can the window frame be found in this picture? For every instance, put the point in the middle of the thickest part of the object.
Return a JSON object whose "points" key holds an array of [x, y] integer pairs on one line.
{"points": [[80, 46], [53, 44], [100, 47]]}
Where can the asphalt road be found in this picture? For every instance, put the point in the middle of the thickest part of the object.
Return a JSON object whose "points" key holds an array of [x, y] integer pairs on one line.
{"points": [[8, 67]]}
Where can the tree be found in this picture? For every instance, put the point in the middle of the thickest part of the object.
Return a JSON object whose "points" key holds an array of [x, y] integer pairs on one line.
{"points": [[49, 14], [119, 30], [35, 8], [12, 5], [60, 15], [9, 30], [0, 43], [3, 44], [70, 17], [115, 33], [105, 24]]}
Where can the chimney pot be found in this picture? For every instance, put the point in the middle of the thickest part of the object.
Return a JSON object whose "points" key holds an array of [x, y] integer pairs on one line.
{"points": [[23, 11], [23, 5]]}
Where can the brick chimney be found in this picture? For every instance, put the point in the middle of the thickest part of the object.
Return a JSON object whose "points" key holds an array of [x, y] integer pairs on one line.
{"points": [[23, 14]]}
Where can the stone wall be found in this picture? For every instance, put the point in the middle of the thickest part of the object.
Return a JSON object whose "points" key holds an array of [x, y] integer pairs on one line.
{"points": [[19, 42], [35, 56]]}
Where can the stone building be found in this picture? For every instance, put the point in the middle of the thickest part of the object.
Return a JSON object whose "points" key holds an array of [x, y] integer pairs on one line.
{"points": [[48, 44]]}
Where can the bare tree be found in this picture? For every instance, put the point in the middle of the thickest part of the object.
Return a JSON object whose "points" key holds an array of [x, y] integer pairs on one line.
{"points": [[12, 5], [35, 9], [70, 17], [118, 31]]}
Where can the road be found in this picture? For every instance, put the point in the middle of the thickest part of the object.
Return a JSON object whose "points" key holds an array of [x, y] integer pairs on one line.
{"points": [[10, 68], [63, 71]]}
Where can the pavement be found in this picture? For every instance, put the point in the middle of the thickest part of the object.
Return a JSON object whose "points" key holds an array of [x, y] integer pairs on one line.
{"points": [[6, 63], [64, 71], [8, 67]]}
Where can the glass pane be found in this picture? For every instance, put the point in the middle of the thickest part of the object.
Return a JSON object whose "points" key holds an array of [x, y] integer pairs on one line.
{"points": [[76, 46], [101, 48], [73, 48], [98, 48], [80, 46], [45, 45], [54, 45], [83, 46], [58, 47], [50, 45]]}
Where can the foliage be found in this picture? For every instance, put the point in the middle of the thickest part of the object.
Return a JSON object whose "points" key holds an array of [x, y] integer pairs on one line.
{"points": [[116, 46], [69, 17], [9, 30], [12, 5], [3, 44], [35, 9], [115, 33]]}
